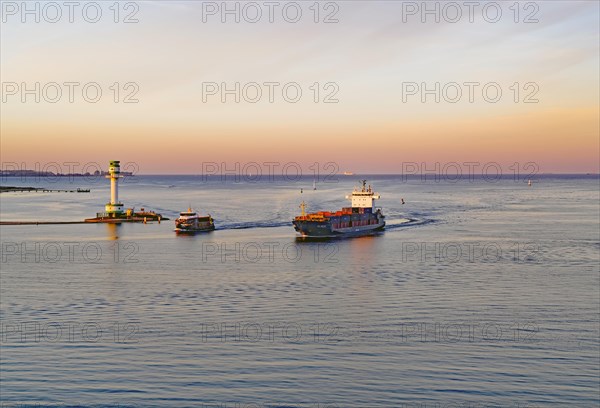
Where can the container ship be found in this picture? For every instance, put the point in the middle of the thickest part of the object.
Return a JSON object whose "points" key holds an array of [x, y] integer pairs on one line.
{"points": [[360, 219], [190, 222]]}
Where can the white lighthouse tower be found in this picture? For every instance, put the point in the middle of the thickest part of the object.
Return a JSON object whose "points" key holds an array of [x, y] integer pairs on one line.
{"points": [[114, 208]]}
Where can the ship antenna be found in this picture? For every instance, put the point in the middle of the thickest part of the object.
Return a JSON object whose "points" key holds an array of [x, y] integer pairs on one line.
{"points": [[303, 207]]}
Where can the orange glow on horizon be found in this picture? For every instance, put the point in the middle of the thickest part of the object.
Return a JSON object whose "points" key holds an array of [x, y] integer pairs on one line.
{"points": [[558, 140]]}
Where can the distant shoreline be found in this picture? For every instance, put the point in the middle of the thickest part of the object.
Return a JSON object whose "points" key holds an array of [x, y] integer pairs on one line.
{"points": [[18, 189], [34, 173]]}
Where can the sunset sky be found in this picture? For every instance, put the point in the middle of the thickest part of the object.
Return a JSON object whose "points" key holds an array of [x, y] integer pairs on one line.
{"points": [[370, 54]]}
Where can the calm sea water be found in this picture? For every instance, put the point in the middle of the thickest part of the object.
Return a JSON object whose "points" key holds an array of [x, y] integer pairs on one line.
{"points": [[477, 294]]}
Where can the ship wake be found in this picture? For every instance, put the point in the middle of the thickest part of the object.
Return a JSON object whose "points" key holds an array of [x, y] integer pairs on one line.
{"points": [[253, 224]]}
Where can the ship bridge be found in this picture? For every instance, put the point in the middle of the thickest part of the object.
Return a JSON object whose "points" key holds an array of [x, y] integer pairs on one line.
{"points": [[363, 197]]}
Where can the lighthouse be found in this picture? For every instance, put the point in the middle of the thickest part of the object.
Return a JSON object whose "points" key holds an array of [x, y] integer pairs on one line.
{"points": [[114, 208]]}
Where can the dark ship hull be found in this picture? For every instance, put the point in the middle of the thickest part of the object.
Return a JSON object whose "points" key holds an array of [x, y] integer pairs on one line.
{"points": [[193, 230], [348, 222]]}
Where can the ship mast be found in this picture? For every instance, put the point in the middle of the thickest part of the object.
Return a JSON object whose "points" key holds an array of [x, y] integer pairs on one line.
{"points": [[303, 208]]}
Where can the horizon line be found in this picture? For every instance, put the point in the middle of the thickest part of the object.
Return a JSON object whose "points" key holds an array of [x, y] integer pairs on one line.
{"points": [[307, 175]]}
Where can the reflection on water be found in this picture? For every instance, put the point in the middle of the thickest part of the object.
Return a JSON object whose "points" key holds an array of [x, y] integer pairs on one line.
{"points": [[112, 231], [250, 315]]}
